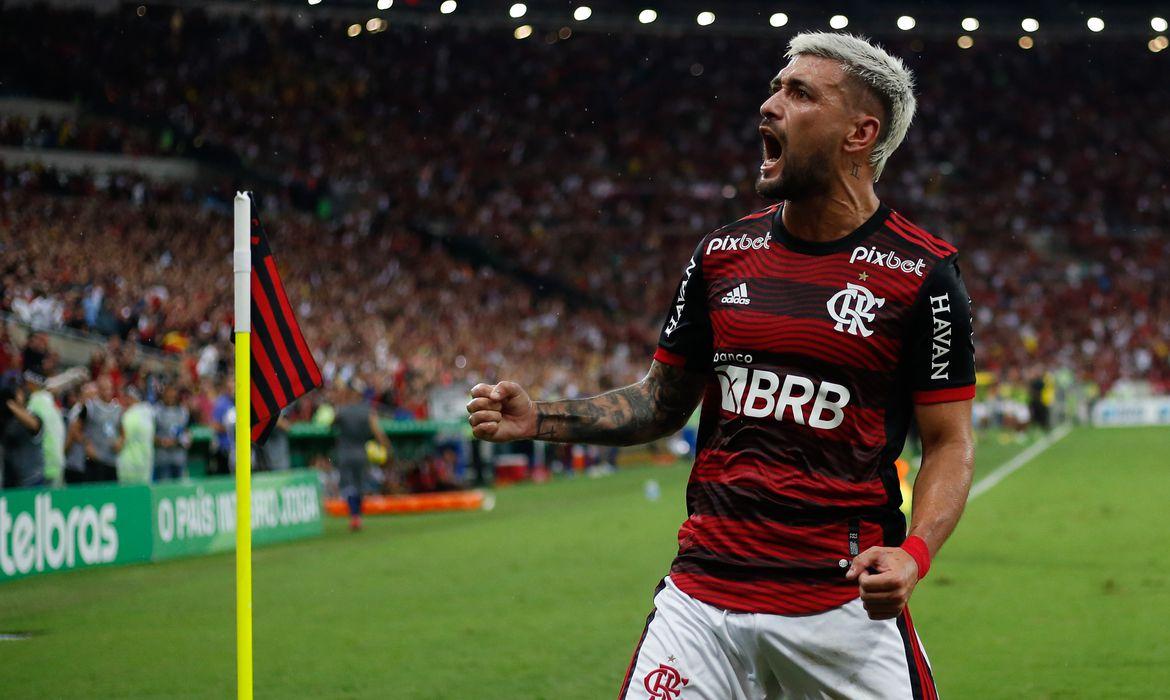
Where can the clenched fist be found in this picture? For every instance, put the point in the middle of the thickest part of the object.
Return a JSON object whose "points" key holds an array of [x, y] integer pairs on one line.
{"points": [[887, 591], [501, 412]]}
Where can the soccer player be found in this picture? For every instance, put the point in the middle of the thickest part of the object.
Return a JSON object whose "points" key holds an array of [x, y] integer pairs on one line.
{"points": [[812, 332], [355, 422]]}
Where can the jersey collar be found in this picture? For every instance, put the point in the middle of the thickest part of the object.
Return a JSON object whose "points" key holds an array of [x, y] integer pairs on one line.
{"points": [[799, 245]]}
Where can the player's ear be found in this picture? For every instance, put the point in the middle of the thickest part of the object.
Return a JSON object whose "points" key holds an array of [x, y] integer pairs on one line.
{"points": [[863, 134]]}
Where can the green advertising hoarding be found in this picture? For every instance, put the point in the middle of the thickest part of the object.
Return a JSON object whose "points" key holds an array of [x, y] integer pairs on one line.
{"points": [[52, 530], [44, 530], [200, 517]]}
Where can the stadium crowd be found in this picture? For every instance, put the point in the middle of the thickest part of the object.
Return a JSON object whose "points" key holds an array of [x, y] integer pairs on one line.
{"points": [[394, 158], [104, 135]]}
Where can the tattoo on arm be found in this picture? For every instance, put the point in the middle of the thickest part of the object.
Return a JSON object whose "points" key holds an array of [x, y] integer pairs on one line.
{"points": [[656, 406]]}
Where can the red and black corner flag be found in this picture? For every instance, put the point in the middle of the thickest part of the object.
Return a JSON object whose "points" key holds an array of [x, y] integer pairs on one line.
{"points": [[283, 369]]}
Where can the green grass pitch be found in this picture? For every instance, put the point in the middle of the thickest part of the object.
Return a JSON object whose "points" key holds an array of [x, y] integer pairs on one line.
{"points": [[1054, 586]]}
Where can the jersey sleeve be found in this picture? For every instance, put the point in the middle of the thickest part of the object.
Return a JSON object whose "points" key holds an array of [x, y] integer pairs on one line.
{"points": [[942, 348], [685, 340]]}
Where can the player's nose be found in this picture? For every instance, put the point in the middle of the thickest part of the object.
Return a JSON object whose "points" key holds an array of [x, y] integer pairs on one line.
{"points": [[772, 108]]}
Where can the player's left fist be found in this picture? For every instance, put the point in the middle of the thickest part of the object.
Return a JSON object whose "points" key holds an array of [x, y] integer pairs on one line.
{"points": [[886, 577]]}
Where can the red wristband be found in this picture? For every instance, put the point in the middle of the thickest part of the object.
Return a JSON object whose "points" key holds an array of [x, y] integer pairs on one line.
{"points": [[916, 547]]}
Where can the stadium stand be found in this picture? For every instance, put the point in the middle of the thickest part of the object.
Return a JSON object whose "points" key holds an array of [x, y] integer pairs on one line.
{"points": [[425, 205]]}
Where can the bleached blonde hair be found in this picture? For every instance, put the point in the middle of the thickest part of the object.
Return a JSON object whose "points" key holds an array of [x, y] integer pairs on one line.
{"points": [[885, 75]]}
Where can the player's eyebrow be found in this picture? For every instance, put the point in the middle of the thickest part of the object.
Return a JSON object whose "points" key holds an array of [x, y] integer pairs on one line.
{"points": [[779, 82]]}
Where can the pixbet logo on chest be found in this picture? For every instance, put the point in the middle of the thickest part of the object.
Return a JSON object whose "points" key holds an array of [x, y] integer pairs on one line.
{"points": [[889, 259], [758, 393], [744, 242]]}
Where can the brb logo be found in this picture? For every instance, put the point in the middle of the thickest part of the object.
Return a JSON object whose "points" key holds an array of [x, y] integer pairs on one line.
{"points": [[664, 683], [744, 242], [758, 393], [852, 307]]}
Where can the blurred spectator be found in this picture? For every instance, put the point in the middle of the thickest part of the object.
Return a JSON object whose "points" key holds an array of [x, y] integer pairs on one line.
{"points": [[223, 423], [42, 404], [97, 428], [172, 436], [8, 355], [75, 457], [36, 351], [21, 433], [80, 134], [433, 473], [274, 454], [135, 460]]}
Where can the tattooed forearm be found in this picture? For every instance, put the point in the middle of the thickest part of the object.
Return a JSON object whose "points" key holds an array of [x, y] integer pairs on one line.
{"points": [[656, 406]]}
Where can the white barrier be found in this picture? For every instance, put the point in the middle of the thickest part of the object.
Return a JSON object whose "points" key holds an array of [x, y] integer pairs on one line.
{"points": [[1127, 412]]}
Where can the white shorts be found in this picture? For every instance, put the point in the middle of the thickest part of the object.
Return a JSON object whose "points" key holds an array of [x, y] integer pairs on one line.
{"points": [[694, 651]]}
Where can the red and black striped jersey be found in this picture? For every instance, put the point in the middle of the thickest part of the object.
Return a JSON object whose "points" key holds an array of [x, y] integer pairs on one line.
{"points": [[816, 353]]}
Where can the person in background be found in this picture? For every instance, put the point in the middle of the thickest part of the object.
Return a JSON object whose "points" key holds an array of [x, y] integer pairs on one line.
{"points": [[273, 455], [325, 412], [223, 421], [202, 401], [98, 429], [1039, 398], [172, 436], [75, 449], [136, 458], [355, 422], [36, 349], [21, 433], [42, 404], [8, 352]]}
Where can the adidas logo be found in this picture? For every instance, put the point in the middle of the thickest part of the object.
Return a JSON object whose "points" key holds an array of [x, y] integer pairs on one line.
{"points": [[737, 295]]}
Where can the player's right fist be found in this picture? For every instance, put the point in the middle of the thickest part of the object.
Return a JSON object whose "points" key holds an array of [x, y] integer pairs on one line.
{"points": [[501, 412]]}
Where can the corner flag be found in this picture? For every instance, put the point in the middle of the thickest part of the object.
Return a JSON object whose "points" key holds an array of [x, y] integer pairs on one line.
{"points": [[279, 372], [283, 369]]}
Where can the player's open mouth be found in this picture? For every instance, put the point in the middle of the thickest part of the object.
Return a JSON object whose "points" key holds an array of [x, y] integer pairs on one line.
{"points": [[772, 150]]}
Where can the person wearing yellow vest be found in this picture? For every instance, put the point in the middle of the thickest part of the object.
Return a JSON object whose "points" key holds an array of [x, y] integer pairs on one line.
{"points": [[42, 405], [136, 459]]}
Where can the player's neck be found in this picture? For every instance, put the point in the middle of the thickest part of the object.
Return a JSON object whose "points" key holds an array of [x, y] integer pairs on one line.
{"points": [[834, 215]]}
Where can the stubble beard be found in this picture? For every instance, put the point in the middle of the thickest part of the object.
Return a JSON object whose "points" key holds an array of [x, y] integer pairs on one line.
{"points": [[799, 179]]}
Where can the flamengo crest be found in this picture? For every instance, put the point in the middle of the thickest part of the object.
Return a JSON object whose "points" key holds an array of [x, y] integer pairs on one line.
{"points": [[664, 683], [852, 308]]}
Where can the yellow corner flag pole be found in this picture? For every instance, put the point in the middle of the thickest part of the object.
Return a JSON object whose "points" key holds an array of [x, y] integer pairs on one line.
{"points": [[242, 268]]}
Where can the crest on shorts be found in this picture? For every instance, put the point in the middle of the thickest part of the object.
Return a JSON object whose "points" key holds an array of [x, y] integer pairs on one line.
{"points": [[852, 308], [664, 683]]}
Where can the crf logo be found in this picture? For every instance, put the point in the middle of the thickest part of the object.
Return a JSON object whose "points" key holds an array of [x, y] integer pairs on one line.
{"points": [[664, 683], [852, 307], [758, 393]]}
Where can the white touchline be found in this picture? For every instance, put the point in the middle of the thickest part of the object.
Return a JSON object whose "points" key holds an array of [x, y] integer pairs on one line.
{"points": [[1006, 469]]}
